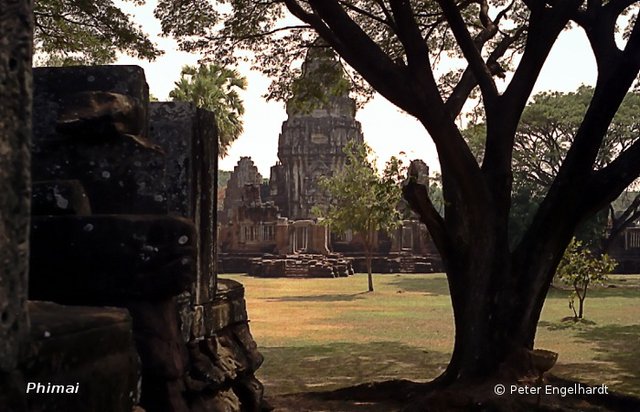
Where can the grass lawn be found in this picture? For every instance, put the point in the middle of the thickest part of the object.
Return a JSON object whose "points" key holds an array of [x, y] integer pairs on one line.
{"points": [[322, 334]]}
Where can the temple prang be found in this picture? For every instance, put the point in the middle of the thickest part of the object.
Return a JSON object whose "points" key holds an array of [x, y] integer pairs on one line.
{"points": [[271, 230]]}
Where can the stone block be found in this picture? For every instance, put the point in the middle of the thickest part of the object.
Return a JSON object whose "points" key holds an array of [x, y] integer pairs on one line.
{"points": [[204, 372], [214, 316], [243, 336], [224, 356], [91, 124], [160, 345], [99, 115], [185, 314], [59, 197], [54, 85], [250, 392], [114, 258], [120, 176], [90, 347], [221, 313], [189, 138]]}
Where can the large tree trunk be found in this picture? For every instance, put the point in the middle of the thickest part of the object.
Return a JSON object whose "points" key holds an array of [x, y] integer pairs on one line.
{"points": [[483, 312], [494, 327], [496, 294]]}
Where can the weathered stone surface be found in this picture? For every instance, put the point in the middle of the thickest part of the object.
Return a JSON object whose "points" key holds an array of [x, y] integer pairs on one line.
{"points": [[160, 395], [204, 373], [223, 401], [243, 335], [100, 115], [115, 258], [186, 314], [54, 85], [226, 309], [59, 197], [189, 138], [302, 265], [250, 392], [226, 360], [214, 369], [244, 174], [90, 124], [311, 145], [121, 176], [162, 352], [16, 38], [161, 266], [91, 347], [161, 348]]}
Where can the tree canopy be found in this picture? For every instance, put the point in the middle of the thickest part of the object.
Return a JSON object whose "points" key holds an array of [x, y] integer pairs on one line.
{"points": [[546, 131], [87, 32], [580, 269], [214, 88], [362, 199]]}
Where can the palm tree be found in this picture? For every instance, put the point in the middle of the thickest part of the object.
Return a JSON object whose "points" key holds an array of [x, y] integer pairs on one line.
{"points": [[214, 88]]}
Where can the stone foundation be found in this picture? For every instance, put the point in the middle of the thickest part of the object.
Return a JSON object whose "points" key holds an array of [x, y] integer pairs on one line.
{"points": [[222, 365], [84, 347], [399, 263], [334, 265], [301, 265]]}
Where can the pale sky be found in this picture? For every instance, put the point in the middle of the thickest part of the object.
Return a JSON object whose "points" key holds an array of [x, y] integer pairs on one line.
{"points": [[386, 129]]}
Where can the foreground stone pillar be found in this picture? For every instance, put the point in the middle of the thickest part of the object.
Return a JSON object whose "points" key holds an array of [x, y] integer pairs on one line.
{"points": [[16, 33]]}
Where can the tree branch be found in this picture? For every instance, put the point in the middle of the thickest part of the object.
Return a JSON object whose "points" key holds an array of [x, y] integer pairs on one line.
{"points": [[240, 39], [630, 213], [608, 183], [366, 13], [386, 12], [468, 82], [544, 28], [471, 53], [599, 24], [616, 7], [611, 89], [411, 38], [417, 196], [335, 26]]}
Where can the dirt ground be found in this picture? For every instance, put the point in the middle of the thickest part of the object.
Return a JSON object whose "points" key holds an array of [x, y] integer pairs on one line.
{"points": [[406, 396]]}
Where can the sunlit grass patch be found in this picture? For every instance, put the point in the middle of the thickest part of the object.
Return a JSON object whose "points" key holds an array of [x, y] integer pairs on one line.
{"points": [[322, 334]]}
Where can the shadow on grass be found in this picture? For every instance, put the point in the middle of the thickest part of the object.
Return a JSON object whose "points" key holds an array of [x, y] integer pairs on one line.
{"points": [[437, 286], [619, 344], [327, 367], [568, 323], [617, 362], [320, 298], [623, 291]]}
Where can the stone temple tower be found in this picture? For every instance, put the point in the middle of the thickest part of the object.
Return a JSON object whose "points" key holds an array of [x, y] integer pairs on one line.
{"points": [[321, 120]]}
